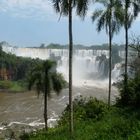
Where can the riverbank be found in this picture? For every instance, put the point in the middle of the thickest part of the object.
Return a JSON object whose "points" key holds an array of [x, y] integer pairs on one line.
{"points": [[19, 111], [12, 86], [116, 124]]}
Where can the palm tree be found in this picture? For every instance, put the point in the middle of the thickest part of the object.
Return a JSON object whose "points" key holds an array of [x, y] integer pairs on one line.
{"points": [[45, 79], [128, 19], [65, 7], [109, 18]]}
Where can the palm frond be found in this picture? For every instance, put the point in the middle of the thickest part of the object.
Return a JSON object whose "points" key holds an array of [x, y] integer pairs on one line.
{"points": [[61, 6], [136, 7], [58, 82], [101, 22], [130, 20], [82, 7], [56, 5], [35, 79], [49, 66], [64, 7], [115, 27], [96, 14], [45, 79], [119, 15]]}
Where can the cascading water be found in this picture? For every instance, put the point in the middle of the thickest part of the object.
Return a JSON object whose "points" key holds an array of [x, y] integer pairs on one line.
{"points": [[87, 64], [90, 73]]}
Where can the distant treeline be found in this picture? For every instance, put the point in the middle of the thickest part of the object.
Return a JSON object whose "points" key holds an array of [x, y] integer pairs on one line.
{"points": [[93, 47], [78, 46]]}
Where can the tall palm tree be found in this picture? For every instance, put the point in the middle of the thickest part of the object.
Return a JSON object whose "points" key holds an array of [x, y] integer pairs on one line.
{"points": [[129, 16], [109, 18], [65, 7], [45, 79]]}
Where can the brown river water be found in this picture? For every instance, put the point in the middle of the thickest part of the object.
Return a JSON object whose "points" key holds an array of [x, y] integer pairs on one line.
{"points": [[27, 109]]}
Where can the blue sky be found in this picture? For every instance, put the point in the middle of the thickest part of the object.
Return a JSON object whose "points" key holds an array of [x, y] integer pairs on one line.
{"points": [[32, 22]]}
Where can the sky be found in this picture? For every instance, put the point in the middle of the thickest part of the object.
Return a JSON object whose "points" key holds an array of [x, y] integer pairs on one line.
{"points": [[33, 22]]}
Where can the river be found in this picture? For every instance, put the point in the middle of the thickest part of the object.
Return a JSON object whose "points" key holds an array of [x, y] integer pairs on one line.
{"points": [[27, 109]]}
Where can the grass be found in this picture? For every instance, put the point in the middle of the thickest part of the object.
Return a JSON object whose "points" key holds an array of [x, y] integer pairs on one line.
{"points": [[117, 124], [12, 86]]}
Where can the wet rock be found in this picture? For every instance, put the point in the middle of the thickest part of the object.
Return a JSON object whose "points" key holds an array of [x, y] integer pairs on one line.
{"points": [[9, 134], [15, 131], [4, 123]]}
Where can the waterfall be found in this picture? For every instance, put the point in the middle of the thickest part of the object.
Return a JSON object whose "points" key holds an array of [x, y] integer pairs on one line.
{"points": [[116, 72], [87, 64]]}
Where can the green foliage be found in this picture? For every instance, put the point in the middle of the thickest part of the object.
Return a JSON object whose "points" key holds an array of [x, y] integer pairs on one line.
{"points": [[57, 46], [15, 70], [18, 87], [15, 67], [110, 15], [95, 109], [116, 124], [24, 136], [44, 75], [132, 96], [13, 86], [58, 82], [84, 109], [5, 84], [45, 79], [115, 47]]}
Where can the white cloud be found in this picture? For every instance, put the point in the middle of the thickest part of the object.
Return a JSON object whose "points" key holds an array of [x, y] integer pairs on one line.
{"points": [[38, 9], [28, 8]]}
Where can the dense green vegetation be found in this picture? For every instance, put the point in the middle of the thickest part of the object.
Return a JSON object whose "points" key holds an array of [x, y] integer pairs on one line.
{"points": [[13, 67], [94, 121], [14, 71], [132, 97], [13, 86]]}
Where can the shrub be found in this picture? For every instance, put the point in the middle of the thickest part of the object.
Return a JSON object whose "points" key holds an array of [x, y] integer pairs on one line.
{"points": [[5, 84], [132, 96], [95, 109], [84, 109], [13, 86]]}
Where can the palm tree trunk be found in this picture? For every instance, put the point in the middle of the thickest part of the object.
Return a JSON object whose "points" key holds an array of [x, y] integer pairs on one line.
{"points": [[126, 46], [46, 104], [45, 110], [110, 57], [70, 66]]}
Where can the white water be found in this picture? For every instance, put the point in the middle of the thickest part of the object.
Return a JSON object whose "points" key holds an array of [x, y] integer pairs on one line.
{"points": [[85, 66], [86, 81], [87, 72]]}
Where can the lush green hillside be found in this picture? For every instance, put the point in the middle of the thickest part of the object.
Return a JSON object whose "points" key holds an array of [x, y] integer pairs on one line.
{"points": [[13, 67], [14, 71]]}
